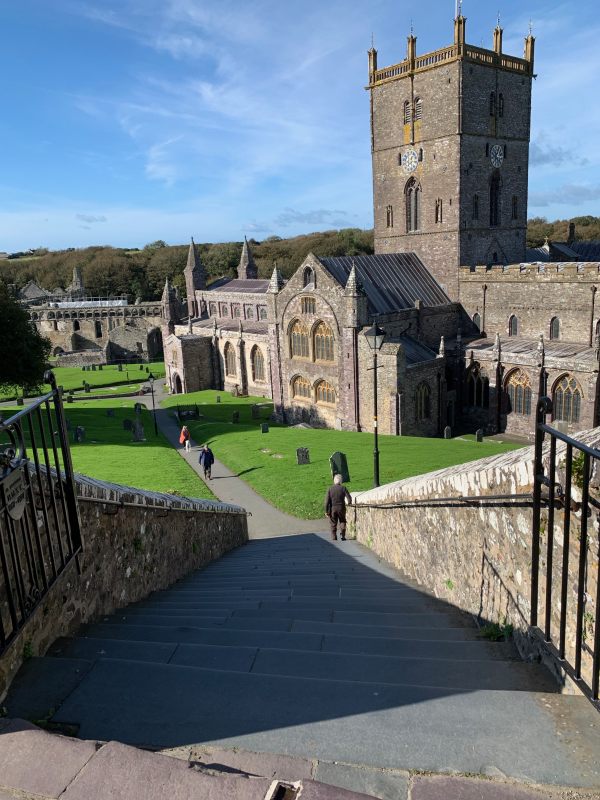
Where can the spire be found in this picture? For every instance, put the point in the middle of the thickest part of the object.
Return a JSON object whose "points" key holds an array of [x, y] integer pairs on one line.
{"points": [[498, 31], [276, 282], [442, 350], [353, 287], [247, 269], [195, 279], [166, 295]]}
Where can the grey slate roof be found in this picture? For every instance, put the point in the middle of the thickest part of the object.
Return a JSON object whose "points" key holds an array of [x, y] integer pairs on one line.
{"points": [[245, 286], [416, 352], [554, 349], [587, 251], [391, 282]]}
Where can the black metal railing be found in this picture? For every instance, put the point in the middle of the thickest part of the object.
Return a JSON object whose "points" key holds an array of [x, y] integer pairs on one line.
{"points": [[40, 532], [565, 590]]}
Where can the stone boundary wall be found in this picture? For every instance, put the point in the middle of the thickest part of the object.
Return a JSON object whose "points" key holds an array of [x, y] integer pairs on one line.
{"points": [[129, 552], [478, 557]]}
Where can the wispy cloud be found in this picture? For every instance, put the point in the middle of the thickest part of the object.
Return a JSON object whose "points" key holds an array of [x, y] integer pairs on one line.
{"points": [[571, 194], [319, 216], [91, 218]]}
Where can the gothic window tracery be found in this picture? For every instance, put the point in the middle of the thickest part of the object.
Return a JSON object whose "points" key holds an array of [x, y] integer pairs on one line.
{"points": [[325, 393], [308, 305], [230, 368], [301, 388], [418, 108], [299, 340], [566, 402], [478, 389], [518, 390], [413, 205], [406, 112], [308, 277], [423, 402], [257, 361], [323, 343]]}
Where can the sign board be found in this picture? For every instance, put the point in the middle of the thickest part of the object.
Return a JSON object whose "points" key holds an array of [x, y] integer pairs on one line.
{"points": [[14, 489]]}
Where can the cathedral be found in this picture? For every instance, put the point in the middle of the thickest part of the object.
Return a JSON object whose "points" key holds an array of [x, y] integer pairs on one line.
{"points": [[475, 327]]}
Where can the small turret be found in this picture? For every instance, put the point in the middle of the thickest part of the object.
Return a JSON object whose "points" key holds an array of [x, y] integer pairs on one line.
{"points": [[247, 269], [353, 287], [170, 306], [195, 278], [498, 31], [276, 283]]}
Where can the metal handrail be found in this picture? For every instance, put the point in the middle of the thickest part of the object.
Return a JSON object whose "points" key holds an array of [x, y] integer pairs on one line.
{"points": [[473, 499]]}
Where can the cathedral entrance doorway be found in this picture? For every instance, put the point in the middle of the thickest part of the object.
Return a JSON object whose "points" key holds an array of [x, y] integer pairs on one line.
{"points": [[177, 387]]}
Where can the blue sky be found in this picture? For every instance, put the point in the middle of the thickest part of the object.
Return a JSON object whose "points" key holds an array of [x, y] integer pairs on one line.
{"points": [[126, 121]]}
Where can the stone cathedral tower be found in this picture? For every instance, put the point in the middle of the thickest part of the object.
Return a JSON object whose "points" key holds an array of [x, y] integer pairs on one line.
{"points": [[450, 148]]}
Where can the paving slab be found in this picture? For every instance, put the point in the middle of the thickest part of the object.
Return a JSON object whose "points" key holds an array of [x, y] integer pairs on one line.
{"points": [[92, 649], [455, 788], [238, 659], [384, 785], [42, 684], [38, 762], [267, 765], [435, 646]]}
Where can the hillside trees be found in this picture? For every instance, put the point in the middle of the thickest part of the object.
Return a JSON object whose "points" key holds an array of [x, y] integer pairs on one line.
{"points": [[23, 351]]}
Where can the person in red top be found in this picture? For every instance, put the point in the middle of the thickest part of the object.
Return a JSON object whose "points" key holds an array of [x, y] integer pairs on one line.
{"points": [[335, 506], [185, 438]]}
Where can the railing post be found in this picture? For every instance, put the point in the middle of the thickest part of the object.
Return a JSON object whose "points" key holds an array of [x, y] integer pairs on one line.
{"points": [[544, 406]]}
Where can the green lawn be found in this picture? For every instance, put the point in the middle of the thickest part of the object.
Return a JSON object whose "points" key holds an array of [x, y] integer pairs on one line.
{"points": [[73, 378], [109, 453], [268, 461]]}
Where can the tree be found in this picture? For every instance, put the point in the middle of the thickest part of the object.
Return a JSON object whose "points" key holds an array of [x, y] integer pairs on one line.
{"points": [[23, 351]]}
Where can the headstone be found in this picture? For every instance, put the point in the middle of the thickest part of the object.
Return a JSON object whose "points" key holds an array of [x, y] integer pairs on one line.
{"points": [[93, 368], [120, 367], [147, 369], [302, 455], [80, 434], [339, 465], [479, 434], [447, 432], [100, 367], [69, 398], [127, 425], [235, 417], [138, 431], [86, 387], [218, 398], [264, 428], [141, 367], [138, 408], [19, 401], [235, 392], [255, 412], [110, 412]]}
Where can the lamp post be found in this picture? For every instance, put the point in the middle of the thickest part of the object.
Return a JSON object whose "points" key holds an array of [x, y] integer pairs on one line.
{"points": [[151, 379], [375, 337]]}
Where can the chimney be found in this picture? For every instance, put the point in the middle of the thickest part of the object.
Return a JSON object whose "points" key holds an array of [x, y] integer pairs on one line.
{"points": [[571, 238]]}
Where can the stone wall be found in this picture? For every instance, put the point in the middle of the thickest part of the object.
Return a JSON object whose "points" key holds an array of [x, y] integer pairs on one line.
{"points": [[129, 551], [478, 556]]}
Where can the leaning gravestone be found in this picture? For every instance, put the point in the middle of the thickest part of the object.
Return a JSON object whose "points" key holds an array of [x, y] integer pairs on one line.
{"points": [[141, 367], [235, 417], [302, 455], [255, 412], [127, 425], [138, 431], [447, 432], [339, 465], [110, 412], [218, 398], [86, 387], [93, 368], [479, 435], [264, 428]]}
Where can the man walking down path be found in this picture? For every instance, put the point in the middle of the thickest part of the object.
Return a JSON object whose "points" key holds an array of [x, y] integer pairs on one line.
{"points": [[335, 506], [206, 459]]}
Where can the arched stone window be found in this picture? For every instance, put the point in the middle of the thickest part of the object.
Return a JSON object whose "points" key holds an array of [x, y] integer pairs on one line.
{"points": [[389, 216], [413, 205], [518, 390], [566, 400], [76, 325], [258, 364], [477, 320], [418, 108], [301, 388], [423, 402], [98, 329], [323, 343], [406, 112], [513, 325], [555, 328], [500, 105], [495, 200], [308, 277], [478, 389], [299, 337], [325, 393], [230, 368], [493, 104]]}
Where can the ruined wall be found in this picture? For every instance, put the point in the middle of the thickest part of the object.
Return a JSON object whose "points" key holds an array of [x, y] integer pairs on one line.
{"points": [[129, 552], [478, 558]]}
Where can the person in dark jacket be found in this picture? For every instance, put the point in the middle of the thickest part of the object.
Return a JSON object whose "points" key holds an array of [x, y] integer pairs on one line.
{"points": [[335, 506], [207, 459]]}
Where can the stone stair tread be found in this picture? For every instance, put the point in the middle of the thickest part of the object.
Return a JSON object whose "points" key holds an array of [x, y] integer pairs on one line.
{"points": [[237, 623], [94, 648], [42, 684], [400, 630], [170, 705]]}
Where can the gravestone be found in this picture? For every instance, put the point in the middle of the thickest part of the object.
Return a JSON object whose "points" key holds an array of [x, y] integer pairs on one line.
{"points": [[235, 392], [127, 425], [447, 432], [19, 401], [141, 367], [302, 455], [138, 431], [235, 417], [110, 412], [120, 367], [93, 368], [479, 435], [264, 428], [138, 408], [339, 465], [86, 387], [218, 398], [100, 367], [255, 412], [80, 434], [69, 398]]}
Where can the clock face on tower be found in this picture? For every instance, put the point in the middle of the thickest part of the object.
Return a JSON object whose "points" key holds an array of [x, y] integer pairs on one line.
{"points": [[410, 161], [497, 155]]}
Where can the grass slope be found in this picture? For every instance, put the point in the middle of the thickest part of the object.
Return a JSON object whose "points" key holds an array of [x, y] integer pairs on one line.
{"points": [[109, 454], [268, 461]]}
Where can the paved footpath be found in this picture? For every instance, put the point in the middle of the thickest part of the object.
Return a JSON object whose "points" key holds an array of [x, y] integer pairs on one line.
{"points": [[266, 521]]}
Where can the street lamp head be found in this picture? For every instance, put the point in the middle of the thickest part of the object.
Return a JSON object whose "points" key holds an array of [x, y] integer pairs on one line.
{"points": [[151, 378], [375, 337]]}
